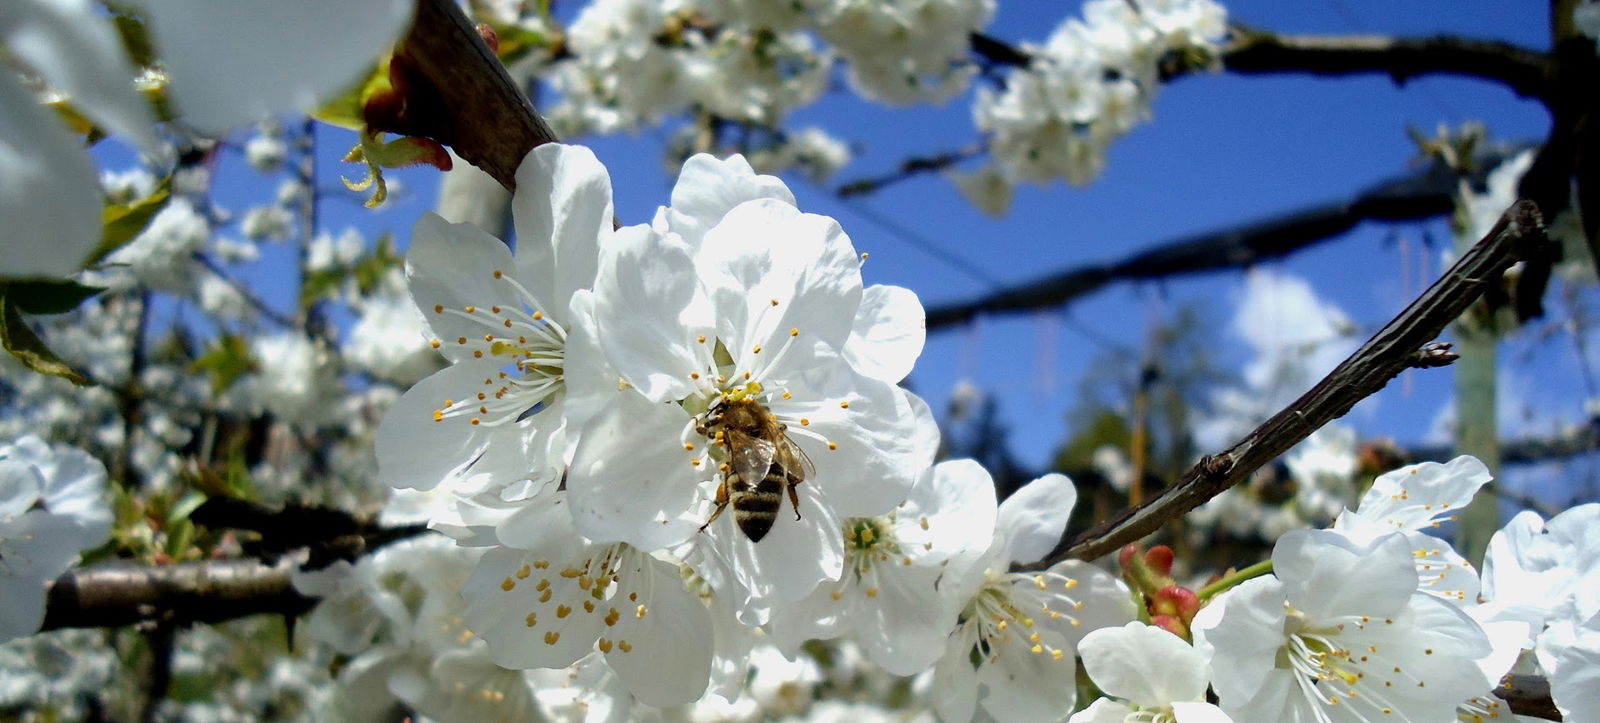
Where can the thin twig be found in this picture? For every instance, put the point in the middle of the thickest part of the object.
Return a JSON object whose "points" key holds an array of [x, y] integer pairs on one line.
{"points": [[1424, 194], [1371, 367], [909, 168]]}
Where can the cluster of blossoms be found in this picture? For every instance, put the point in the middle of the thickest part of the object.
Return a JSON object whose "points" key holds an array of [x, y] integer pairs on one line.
{"points": [[1089, 84], [677, 438], [635, 61]]}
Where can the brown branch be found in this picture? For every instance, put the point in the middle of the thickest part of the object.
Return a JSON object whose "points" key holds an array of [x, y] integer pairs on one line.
{"points": [[1384, 356], [1252, 52], [120, 594], [1424, 194], [1249, 51], [455, 91], [117, 594]]}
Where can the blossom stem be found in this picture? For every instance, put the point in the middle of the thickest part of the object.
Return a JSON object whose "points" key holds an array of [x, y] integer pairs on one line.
{"points": [[1229, 581]]}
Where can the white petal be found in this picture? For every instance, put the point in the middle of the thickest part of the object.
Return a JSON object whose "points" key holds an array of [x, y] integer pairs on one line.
{"points": [[766, 251], [951, 510], [415, 451], [1103, 710], [904, 626], [1412, 497], [1319, 568], [49, 192], [562, 209], [500, 601], [889, 331], [37, 547], [650, 312], [708, 189], [668, 656], [20, 487], [1144, 664], [955, 682], [1034, 517], [1239, 634], [453, 265], [1575, 682], [236, 61], [878, 449], [1026, 686], [1199, 712], [74, 47], [631, 479], [1101, 601]]}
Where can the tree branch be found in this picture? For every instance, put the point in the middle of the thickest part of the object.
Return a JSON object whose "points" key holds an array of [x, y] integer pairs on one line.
{"points": [[1385, 355], [456, 92], [1424, 194], [117, 594], [120, 594], [1252, 52]]}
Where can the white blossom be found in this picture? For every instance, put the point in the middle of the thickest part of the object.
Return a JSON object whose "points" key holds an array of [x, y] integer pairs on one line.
{"points": [[507, 325], [53, 504], [1415, 498], [888, 598], [1155, 676], [1341, 632], [1018, 631]]}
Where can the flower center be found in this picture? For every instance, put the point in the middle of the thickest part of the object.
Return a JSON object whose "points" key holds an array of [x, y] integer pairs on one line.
{"points": [[1344, 661], [530, 346], [1000, 612]]}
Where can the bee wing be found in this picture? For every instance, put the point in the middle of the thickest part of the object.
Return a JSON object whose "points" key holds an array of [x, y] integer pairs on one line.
{"points": [[795, 461], [751, 456]]}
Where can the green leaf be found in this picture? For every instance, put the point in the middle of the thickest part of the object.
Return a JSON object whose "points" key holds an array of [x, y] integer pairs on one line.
{"points": [[321, 284], [28, 348], [123, 221], [48, 297], [226, 361], [187, 504]]}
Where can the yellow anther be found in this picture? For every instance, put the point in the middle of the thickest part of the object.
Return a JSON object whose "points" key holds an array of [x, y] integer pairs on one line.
{"points": [[544, 582], [438, 308], [612, 617], [551, 637], [794, 332], [544, 597], [1055, 654], [774, 302], [623, 644], [756, 350], [837, 594], [872, 592], [588, 606], [532, 619], [571, 573], [562, 611], [472, 309], [844, 405], [833, 445], [538, 315], [524, 572], [640, 612], [688, 446], [701, 338], [803, 421], [507, 584], [435, 344], [605, 645], [498, 273], [438, 415]]}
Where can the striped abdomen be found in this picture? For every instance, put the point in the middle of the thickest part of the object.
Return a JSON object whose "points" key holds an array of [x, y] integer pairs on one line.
{"points": [[755, 508]]}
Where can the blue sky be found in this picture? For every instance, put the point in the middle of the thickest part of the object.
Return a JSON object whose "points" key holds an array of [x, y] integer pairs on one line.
{"points": [[1220, 150]]}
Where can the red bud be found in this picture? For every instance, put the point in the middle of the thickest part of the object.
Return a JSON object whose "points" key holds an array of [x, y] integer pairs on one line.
{"points": [[1125, 556], [1159, 558], [490, 37]]}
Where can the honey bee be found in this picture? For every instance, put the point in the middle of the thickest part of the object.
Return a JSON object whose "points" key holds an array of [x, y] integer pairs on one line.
{"points": [[762, 464]]}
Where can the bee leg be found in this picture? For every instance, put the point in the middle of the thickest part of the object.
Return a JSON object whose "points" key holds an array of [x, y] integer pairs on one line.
{"points": [[722, 504], [794, 500]]}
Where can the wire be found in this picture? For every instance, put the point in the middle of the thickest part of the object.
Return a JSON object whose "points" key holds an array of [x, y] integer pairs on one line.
{"points": [[921, 243]]}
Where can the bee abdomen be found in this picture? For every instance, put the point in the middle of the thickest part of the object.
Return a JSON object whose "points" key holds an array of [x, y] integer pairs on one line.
{"points": [[754, 510]]}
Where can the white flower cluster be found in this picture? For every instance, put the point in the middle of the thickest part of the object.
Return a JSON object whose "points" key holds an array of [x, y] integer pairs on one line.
{"points": [[633, 62], [53, 505], [1377, 618], [674, 435], [1089, 84]]}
